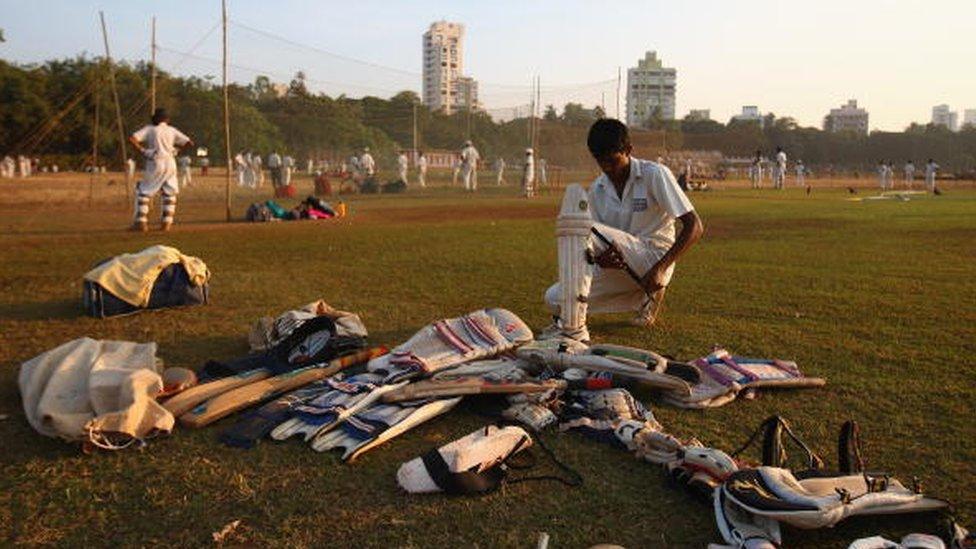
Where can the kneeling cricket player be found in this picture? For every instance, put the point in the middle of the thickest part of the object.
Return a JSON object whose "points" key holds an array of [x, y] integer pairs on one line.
{"points": [[625, 225]]}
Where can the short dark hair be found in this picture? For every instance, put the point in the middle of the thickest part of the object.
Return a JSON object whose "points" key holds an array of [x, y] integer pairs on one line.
{"points": [[607, 136], [160, 115]]}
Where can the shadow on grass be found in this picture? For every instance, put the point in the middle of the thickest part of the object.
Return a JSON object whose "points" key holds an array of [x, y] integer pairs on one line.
{"points": [[59, 309]]}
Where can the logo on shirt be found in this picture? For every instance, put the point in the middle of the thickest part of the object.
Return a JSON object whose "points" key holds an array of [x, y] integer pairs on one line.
{"points": [[639, 204]]}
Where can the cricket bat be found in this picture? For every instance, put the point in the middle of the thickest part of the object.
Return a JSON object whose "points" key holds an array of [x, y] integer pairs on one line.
{"points": [[468, 386], [240, 398], [186, 400]]}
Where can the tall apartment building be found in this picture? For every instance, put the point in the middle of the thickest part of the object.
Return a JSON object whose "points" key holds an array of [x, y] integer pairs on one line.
{"points": [[969, 117], [942, 116], [847, 118], [445, 87], [650, 91]]}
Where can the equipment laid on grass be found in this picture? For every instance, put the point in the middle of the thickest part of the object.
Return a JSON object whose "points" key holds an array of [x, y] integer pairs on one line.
{"points": [[259, 423], [723, 377], [267, 332], [300, 341], [249, 395], [190, 398], [750, 502], [469, 386], [154, 278], [447, 343], [337, 401], [378, 424], [99, 392], [555, 354], [474, 464]]}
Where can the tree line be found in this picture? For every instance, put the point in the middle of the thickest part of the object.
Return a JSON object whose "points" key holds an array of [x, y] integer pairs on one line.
{"points": [[48, 110]]}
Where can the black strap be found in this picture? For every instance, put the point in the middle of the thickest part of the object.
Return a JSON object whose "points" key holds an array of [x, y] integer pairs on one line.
{"points": [[489, 480], [849, 458], [774, 453]]}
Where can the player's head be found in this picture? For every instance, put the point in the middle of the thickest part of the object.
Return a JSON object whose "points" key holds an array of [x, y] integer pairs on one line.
{"points": [[931, 160], [779, 149], [159, 116], [420, 153], [609, 143]]}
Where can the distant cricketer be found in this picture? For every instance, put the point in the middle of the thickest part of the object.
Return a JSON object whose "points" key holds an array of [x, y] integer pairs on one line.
{"points": [[159, 144]]}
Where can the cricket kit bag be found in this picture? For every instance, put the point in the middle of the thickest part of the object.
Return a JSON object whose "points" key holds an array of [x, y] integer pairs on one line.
{"points": [[314, 341], [447, 343], [259, 213], [155, 278], [751, 502]]}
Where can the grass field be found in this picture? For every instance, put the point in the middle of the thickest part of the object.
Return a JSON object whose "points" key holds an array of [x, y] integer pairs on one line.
{"points": [[878, 297]]}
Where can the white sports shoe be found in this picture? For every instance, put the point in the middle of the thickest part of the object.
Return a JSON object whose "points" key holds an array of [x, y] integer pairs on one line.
{"points": [[555, 331]]}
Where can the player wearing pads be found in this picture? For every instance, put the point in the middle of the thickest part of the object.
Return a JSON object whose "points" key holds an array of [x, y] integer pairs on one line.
{"points": [[158, 143], [779, 172], [909, 174], [626, 224]]}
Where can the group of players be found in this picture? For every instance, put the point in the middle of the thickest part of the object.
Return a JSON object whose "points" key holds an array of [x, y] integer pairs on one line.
{"points": [[885, 172]]}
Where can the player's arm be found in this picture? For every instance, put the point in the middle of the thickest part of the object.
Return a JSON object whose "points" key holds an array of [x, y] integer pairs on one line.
{"points": [[691, 232], [137, 144]]}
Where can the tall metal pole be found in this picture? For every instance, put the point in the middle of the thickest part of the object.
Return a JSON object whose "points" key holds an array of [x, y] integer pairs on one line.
{"points": [[538, 111], [94, 166], [618, 93], [118, 109], [415, 130], [226, 111], [152, 67]]}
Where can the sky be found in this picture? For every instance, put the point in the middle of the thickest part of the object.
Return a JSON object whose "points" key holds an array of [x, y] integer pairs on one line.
{"points": [[799, 59]]}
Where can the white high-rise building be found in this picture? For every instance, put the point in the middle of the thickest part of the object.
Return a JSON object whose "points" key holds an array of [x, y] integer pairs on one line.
{"points": [[650, 91], [750, 113], [969, 117], [942, 116], [444, 86], [848, 118]]}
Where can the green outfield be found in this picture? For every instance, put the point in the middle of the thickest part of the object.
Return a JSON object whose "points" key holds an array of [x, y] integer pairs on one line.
{"points": [[879, 297]]}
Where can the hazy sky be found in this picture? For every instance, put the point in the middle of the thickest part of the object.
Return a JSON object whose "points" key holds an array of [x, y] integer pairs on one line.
{"points": [[897, 58]]}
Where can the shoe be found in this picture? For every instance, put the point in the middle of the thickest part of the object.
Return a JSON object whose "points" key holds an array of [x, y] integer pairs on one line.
{"points": [[140, 227], [555, 331], [165, 227]]}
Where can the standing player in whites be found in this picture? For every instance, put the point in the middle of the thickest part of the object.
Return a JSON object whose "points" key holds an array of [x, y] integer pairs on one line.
{"points": [[779, 174], [421, 169], [800, 173], [909, 174], [402, 164], [755, 170], [469, 166], [159, 144], [634, 205], [931, 169], [528, 174]]}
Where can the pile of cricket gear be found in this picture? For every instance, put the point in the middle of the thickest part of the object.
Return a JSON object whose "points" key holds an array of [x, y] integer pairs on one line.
{"points": [[311, 375]]}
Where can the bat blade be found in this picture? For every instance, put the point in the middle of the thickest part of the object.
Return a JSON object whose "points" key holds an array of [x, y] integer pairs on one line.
{"points": [[468, 386], [185, 401], [238, 399]]}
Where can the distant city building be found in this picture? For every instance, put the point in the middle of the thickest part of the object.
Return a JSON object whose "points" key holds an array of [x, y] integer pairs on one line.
{"points": [[467, 93], [445, 87], [650, 91], [848, 118], [969, 117], [279, 89], [699, 114], [942, 116], [750, 113]]}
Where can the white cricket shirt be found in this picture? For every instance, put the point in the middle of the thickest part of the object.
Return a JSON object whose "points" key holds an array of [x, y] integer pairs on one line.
{"points": [[651, 202]]}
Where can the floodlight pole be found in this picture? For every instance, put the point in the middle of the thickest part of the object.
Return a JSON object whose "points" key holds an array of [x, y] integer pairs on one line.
{"points": [[152, 68], [91, 178], [118, 109], [415, 129], [226, 111], [618, 93]]}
